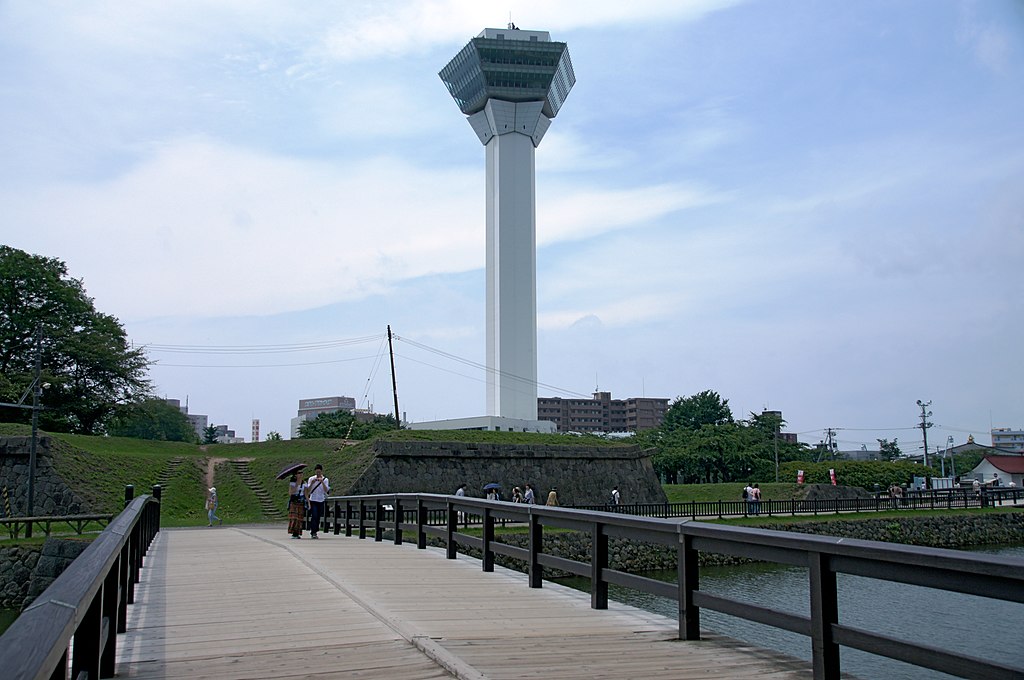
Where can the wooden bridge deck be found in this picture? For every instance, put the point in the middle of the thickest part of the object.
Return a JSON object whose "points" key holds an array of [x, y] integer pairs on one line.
{"points": [[252, 603]]}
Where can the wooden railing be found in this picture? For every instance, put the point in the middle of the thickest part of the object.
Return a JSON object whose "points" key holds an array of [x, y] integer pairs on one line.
{"points": [[985, 576], [76, 523], [87, 602]]}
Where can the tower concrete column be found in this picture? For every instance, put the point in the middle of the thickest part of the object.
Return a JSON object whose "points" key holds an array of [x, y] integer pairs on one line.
{"points": [[510, 84]]}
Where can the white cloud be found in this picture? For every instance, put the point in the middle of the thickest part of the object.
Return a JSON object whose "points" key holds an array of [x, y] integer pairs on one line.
{"points": [[210, 230]]}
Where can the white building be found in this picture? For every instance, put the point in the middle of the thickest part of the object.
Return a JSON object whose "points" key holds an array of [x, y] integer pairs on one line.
{"points": [[1004, 469]]}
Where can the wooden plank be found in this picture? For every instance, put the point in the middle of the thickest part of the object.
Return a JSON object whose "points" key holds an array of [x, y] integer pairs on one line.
{"points": [[250, 603]]}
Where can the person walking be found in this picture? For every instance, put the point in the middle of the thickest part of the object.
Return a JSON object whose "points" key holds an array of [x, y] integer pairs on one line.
{"points": [[517, 494], [317, 488], [528, 496], [755, 494], [616, 497], [211, 507], [296, 505], [553, 497]]}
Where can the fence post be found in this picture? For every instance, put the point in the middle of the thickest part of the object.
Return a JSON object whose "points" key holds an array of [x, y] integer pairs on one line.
{"points": [[536, 544], [362, 518], [378, 515], [488, 537], [688, 578], [598, 562], [398, 521], [824, 613], [129, 494], [421, 522], [453, 524]]}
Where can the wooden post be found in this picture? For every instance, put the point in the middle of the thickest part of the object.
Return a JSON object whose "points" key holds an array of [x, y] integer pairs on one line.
{"points": [[488, 538], [378, 516], [453, 520], [421, 522], [337, 518], [688, 575], [824, 612], [536, 571], [362, 519], [398, 522], [598, 563]]}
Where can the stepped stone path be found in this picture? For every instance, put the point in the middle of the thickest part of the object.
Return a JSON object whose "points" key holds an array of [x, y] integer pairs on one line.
{"points": [[248, 602], [268, 505], [168, 472]]}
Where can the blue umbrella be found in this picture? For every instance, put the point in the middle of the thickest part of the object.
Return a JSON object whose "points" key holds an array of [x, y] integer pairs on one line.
{"points": [[492, 485]]}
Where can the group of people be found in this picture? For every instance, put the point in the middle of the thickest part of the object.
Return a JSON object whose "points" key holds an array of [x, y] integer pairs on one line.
{"points": [[306, 497], [519, 495]]}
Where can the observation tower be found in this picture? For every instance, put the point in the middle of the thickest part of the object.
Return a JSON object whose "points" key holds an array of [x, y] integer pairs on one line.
{"points": [[511, 83]]}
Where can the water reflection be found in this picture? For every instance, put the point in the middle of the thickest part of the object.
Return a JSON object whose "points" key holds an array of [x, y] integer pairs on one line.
{"points": [[949, 621]]}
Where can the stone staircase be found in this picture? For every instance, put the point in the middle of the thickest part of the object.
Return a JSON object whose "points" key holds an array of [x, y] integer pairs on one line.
{"points": [[165, 476], [268, 504]]}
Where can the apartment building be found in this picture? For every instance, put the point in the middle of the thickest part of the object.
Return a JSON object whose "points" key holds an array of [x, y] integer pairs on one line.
{"points": [[602, 413]]}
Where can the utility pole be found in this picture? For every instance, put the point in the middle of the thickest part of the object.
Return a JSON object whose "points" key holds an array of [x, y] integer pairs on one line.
{"points": [[394, 384], [925, 415], [952, 458], [37, 388]]}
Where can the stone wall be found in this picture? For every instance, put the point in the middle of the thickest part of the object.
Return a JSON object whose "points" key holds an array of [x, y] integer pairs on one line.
{"points": [[27, 570], [51, 496], [583, 475]]}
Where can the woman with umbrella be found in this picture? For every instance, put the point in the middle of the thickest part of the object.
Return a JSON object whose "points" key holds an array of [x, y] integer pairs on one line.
{"points": [[296, 498]]}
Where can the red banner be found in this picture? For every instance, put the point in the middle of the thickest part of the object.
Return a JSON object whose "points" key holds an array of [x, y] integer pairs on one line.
{"points": [[832, 476], [799, 476]]}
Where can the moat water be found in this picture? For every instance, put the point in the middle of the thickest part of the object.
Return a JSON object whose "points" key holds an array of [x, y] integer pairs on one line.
{"points": [[976, 626]]}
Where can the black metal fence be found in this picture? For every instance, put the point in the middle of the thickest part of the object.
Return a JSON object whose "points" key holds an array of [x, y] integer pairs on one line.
{"points": [[87, 602], [932, 499], [984, 576]]}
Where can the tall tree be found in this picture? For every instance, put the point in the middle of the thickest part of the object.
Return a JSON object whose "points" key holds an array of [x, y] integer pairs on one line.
{"points": [[691, 413], [153, 418], [344, 425], [889, 450], [88, 366]]}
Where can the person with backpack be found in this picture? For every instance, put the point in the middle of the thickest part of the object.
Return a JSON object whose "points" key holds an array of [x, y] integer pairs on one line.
{"points": [[748, 496], [616, 499]]}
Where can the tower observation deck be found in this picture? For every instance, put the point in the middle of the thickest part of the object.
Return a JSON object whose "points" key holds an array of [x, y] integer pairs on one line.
{"points": [[511, 83]]}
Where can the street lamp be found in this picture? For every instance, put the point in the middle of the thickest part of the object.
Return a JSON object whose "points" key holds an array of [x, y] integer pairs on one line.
{"points": [[952, 459]]}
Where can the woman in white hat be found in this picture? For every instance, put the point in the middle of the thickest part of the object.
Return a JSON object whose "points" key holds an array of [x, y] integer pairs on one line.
{"points": [[211, 507]]}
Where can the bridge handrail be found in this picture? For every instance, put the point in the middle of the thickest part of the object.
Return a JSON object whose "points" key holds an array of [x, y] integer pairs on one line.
{"points": [[824, 556], [88, 602]]}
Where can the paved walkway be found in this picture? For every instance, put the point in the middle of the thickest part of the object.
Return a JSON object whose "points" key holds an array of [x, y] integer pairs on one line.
{"points": [[251, 603]]}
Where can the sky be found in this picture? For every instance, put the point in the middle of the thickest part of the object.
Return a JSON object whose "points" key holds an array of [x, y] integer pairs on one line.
{"points": [[812, 207]]}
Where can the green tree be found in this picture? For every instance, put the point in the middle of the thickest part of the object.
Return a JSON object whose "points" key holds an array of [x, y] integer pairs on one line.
{"points": [[273, 436], [88, 367], [691, 413], [153, 418], [210, 434], [345, 425], [889, 450]]}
